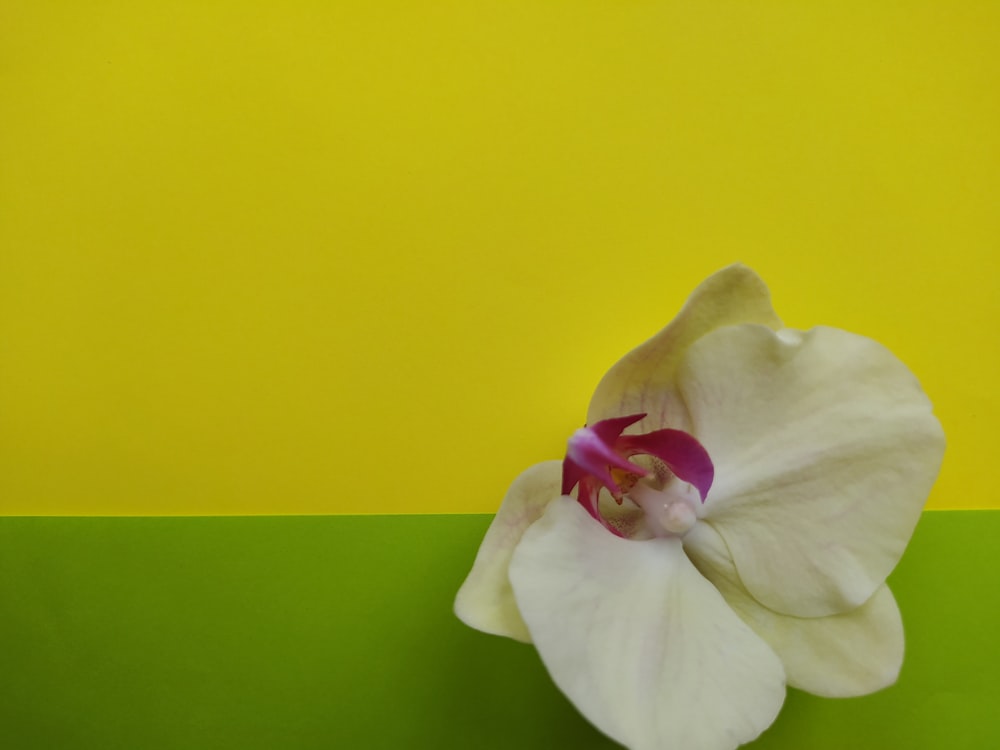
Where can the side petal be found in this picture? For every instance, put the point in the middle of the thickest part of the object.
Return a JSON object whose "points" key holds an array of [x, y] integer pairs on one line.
{"points": [[485, 600], [825, 449], [840, 656], [642, 381], [638, 640]]}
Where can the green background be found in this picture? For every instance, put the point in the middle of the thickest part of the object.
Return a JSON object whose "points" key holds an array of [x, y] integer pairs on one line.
{"points": [[337, 632]]}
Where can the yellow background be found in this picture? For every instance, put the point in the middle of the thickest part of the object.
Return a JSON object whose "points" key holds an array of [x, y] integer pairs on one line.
{"points": [[373, 257]]}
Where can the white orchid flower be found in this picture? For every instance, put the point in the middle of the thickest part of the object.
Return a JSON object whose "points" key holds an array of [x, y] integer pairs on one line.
{"points": [[742, 492]]}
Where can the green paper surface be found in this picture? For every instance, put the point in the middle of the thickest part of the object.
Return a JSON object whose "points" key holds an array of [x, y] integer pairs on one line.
{"points": [[337, 632]]}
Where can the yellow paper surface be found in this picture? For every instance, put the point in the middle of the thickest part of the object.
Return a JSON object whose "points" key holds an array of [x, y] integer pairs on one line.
{"points": [[312, 257]]}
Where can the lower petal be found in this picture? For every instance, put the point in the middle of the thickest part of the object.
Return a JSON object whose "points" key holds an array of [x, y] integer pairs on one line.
{"points": [[641, 643], [485, 601], [840, 656]]}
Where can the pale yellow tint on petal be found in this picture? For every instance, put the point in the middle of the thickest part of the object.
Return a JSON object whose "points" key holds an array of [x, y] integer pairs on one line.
{"points": [[643, 380], [485, 601], [853, 653], [641, 643], [825, 450]]}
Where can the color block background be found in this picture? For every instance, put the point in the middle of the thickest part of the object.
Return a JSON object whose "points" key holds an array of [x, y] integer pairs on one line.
{"points": [[368, 257], [337, 632], [372, 258]]}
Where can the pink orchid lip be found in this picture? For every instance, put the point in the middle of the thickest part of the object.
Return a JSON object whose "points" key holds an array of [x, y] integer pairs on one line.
{"points": [[592, 453]]}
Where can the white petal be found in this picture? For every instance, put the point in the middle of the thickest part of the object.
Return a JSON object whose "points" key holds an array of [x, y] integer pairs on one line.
{"points": [[825, 450], [853, 653], [643, 645], [643, 380], [485, 601]]}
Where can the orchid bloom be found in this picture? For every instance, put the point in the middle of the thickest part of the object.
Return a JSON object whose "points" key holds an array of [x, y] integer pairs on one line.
{"points": [[722, 528]]}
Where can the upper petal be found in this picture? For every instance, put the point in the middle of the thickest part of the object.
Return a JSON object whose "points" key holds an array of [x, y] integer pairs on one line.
{"points": [[853, 653], [643, 645], [643, 380], [485, 601], [825, 449]]}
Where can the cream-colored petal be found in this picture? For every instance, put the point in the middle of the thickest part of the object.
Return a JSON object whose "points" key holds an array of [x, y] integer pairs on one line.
{"points": [[641, 643], [825, 449], [643, 380], [485, 601], [850, 654]]}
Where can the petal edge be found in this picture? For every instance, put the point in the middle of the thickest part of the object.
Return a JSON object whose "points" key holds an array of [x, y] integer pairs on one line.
{"points": [[840, 656], [825, 449], [643, 645], [485, 600], [643, 380]]}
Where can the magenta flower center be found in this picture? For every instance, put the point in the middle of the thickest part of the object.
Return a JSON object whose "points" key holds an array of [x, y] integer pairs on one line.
{"points": [[597, 458]]}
